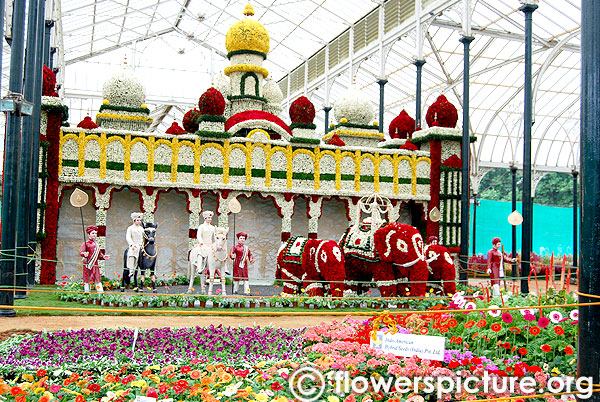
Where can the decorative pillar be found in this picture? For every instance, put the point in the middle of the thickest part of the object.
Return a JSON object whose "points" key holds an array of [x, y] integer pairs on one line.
{"points": [[10, 181], [285, 204], [588, 353], [103, 196], [327, 109], [148, 204], [513, 173], [466, 158], [353, 214], [194, 209], [313, 212], [223, 210], [575, 202], [381, 83], [528, 7], [419, 64], [474, 222]]}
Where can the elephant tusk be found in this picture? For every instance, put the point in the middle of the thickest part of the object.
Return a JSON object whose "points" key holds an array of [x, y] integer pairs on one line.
{"points": [[433, 258], [409, 264]]}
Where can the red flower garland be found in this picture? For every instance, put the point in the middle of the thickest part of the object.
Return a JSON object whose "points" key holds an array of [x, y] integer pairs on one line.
{"points": [[453, 162], [302, 111], [442, 113], [212, 102], [175, 129], [256, 115], [402, 126], [336, 140], [87, 123], [409, 146], [48, 267], [190, 120], [49, 82]]}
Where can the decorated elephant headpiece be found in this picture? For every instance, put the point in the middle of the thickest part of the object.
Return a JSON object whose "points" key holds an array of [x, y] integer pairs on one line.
{"points": [[400, 243]]}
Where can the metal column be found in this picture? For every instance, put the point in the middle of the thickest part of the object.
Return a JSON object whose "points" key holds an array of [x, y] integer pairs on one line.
{"points": [[575, 217], [327, 109], [48, 24], [513, 173], [588, 353], [10, 183], [466, 157], [528, 8], [474, 222], [381, 83], [419, 64]]}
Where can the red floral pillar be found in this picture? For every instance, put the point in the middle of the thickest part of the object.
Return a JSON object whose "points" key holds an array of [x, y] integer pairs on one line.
{"points": [[48, 264]]}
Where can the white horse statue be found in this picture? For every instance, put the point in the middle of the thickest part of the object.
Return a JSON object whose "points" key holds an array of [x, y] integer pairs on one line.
{"points": [[214, 259]]}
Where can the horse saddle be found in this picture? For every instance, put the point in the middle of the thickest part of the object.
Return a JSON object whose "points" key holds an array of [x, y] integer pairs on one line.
{"points": [[360, 244], [292, 252]]}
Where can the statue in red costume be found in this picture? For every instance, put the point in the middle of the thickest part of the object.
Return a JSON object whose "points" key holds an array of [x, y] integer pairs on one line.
{"points": [[90, 251], [495, 261], [241, 255]]}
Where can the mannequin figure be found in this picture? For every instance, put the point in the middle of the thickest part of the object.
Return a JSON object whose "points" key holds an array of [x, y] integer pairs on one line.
{"points": [[495, 262], [241, 255], [135, 241], [206, 237], [90, 251]]}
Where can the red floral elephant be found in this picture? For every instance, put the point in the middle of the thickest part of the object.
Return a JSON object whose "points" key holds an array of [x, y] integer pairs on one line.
{"points": [[310, 262], [391, 257], [441, 268]]}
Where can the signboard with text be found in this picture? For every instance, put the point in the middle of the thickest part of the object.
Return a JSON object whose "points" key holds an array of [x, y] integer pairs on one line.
{"points": [[408, 345]]}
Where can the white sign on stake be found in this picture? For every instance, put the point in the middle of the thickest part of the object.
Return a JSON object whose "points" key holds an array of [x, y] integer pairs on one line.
{"points": [[408, 345]]}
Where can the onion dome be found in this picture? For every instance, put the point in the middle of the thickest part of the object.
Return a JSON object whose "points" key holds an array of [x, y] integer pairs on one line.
{"points": [[190, 121], [124, 89], [49, 83], [402, 126], [302, 111], [354, 106], [272, 92], [247, 35], [175, 129], [87, 123], [442, 113], [221, 84], [212, 102]]}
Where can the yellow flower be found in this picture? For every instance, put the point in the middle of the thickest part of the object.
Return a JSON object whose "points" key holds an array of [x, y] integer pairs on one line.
{"points": [[343, 120], [49, 394], [39, 390], [332, 398], [139, 383], [105, 102], [376, 123], [155, 367], [154, 378], [144, 106], [261, 364], [27, 377], [261, 396]]}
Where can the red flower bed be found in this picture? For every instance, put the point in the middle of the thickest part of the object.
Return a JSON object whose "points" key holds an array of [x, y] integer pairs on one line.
{"points": [[402, 126]]}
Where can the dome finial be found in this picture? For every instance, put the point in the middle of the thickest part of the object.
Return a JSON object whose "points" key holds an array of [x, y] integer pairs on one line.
{"points": [[125, 60], [248, 10]]}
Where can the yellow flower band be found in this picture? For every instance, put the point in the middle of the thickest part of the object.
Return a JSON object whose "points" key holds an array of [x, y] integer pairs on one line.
{"points": [[123, 117], [352, 133], [246, 68]]}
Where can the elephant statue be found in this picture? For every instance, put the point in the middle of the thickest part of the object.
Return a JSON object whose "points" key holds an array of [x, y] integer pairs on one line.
{"points": [[393, 256], [441, 267], [307, 263]]}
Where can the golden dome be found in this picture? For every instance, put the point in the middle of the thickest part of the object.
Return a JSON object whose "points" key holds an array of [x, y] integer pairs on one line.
{"points": [[247, 34]]}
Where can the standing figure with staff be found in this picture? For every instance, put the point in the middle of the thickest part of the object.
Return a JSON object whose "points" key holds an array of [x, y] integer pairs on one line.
{"points": [[91, 254]]}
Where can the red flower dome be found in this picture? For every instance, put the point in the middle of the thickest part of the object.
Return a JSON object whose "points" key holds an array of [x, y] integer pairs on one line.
{"points": [[409, 146], [87, 123], [453, 162], [175, 129], [190, 120], [302, 111], [402, 126], [336, 140], [441, 113], [49, 82], [258, 115], [212, 102]]}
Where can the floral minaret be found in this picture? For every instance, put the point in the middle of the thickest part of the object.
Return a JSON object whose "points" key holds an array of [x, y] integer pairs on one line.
{"points": [[123, 106], [247, 43]]}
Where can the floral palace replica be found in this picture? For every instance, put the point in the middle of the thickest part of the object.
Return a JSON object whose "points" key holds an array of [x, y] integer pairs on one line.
{"points": [[289, 179]]}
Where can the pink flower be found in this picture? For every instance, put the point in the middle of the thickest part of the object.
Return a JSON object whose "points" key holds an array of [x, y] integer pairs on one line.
{"points": [[54, 388], [543, 322], [529, 317], [507, 317]]}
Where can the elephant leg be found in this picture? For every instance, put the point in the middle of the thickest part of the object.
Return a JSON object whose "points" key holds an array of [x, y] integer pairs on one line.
{"points": [[449, 278], [418, 277], [383, 274], [353, 269]]}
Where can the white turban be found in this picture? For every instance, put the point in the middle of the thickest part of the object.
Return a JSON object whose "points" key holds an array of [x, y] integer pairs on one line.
{"points": [[207, 214], [136, 215]]}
